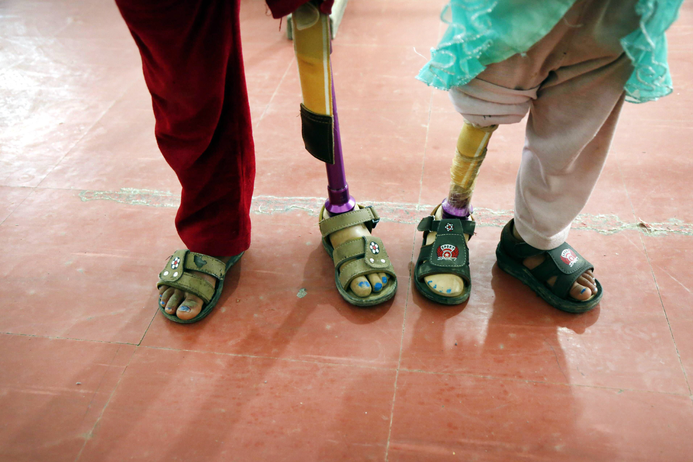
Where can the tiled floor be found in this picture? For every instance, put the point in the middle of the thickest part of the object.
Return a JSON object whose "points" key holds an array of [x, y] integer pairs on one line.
{"points": [[90, 371]]}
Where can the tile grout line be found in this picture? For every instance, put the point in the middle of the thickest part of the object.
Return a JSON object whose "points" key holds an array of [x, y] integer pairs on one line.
{"points": [[399, 362], [32, 191], [406, 302], [151, 321], [540, 382], [103, 410], [358, 366], [91, 401], [52, 337], [428, 131], [666, 316], [654, 279], [276, 90], [71, 148]]}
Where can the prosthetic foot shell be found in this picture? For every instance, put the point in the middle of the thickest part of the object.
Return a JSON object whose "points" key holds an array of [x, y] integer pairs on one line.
{"points": [[563, 262], [358, 257]]}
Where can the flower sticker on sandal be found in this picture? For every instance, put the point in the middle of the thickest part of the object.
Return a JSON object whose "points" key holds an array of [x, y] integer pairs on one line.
{"points": [[448, 252], [175, 262], [374, 248], [569, 257]]}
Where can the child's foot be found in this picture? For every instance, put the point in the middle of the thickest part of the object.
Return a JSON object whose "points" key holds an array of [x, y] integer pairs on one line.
{"points": [[185, 305], [583, 289], [447, 285], [362, 286]]}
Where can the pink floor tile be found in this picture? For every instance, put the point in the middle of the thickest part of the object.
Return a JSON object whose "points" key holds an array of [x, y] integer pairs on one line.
{"points": [[200, 406], [105, 160], [10, 198], [52, 393], [284, 368], [507, 331], [669, 257], [63, 260], [448, 417], [280, 301]]}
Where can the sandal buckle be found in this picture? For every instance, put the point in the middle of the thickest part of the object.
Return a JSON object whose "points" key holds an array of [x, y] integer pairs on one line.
{"points": [[375, 220]]}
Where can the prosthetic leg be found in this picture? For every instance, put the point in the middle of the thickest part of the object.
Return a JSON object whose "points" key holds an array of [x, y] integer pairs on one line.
{"points": [[470, 153], [364, 275], [442, 269], [320, 124]]}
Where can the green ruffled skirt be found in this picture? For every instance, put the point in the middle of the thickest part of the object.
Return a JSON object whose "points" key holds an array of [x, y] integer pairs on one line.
{"points": [[483, 32]]}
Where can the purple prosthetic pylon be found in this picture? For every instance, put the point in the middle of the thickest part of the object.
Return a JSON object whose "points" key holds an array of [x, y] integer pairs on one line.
{"points": [[338, 198]]}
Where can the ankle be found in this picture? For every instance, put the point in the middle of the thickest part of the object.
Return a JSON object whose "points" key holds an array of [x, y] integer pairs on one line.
{"points": [[516, 234], [450, 211]]}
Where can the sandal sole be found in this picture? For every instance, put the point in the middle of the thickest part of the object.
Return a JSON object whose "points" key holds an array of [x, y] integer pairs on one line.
{"points": [[519, 271]]}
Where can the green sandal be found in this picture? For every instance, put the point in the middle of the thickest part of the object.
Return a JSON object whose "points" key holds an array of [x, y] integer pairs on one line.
{"points": [[175, 274], [563, 261], [358, 257], [448, 254]]}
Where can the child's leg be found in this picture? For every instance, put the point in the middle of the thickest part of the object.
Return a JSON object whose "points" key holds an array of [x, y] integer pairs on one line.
{"points": [[568, 137], [193, 67], [577, 74]]}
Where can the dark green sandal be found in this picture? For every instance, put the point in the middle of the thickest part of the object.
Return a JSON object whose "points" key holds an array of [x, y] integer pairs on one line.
{"points": [[358, 257], [175, 274], [563, 261], [448, 254]]}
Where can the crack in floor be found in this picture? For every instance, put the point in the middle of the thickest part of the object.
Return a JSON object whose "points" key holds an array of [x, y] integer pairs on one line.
{"points": [[394, 212]]}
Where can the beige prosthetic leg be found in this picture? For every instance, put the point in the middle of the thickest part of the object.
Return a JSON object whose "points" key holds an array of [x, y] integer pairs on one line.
{"points": [[471, 151]]}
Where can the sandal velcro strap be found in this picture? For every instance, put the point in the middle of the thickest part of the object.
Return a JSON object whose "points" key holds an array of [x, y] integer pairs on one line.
{"points": [[564, 262], [448, 253], [361, 256], [366, 215], [175, 275], [205, 264]]}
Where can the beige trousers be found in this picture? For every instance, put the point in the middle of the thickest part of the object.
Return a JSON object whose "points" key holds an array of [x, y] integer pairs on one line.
{"points": [[571, 83]]}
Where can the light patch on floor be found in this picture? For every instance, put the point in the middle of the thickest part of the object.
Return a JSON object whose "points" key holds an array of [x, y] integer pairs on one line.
{"points": [[396, 212]]}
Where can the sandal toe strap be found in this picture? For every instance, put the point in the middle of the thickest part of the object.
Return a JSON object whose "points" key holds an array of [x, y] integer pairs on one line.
{"points": [[359, 257], [177, 274], [191, 284], [425, 266], [565, 263]]}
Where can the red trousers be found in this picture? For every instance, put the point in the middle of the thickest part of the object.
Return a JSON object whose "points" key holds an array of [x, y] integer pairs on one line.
{"points": [[193, 67]]}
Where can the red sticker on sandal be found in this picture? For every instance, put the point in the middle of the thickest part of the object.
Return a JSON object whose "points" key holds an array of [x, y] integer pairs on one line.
{"points": [[447, 252], [569, 257]]}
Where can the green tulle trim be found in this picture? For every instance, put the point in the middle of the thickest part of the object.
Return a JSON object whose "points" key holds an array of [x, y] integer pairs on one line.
{"points": [[483, 32], [647, 48]]}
